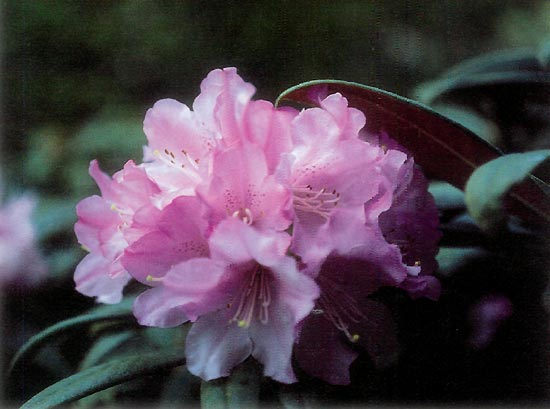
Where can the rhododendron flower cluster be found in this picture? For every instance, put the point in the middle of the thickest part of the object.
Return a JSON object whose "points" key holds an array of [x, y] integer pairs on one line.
{"points": [[21, 264], [267, 228]]}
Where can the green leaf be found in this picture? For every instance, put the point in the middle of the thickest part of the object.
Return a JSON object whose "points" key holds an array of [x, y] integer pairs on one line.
{"points": [[510, 88], [451, 259], [103, 314], [445, 150], [487, 74], [447, 197], [53, 215], [296, 397], [181, 389], [468, 118], [104, 347], [240, 390], [488, 186], [103, 376]]}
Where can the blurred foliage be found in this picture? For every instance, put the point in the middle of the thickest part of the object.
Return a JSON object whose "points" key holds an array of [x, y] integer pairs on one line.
{"points": [[79, 76]]}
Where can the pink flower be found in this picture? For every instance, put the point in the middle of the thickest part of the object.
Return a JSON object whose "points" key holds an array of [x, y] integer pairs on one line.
{"points": [[329, 170], [21, 264], [177, 233], [485, 317], [409, 218], [102, 223], [233, 196], [241, 187], [246, 299], [359, 261], [181, 141]]}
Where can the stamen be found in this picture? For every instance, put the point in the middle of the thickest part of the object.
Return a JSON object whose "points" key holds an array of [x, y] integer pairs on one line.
{"points": [[182, 161], [320, 202], [151, 278], [340, 308], [254, 300]]}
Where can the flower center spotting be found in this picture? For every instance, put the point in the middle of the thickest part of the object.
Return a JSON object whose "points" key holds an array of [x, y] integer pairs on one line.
{"points": [[254, 299], [246, 207], [317, 201], [339, 307]]}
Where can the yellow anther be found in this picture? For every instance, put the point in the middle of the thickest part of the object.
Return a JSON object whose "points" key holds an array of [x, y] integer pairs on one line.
{"points": [[354, 338], [242, 324], [417, 263], [83, 247], [113, 207]]}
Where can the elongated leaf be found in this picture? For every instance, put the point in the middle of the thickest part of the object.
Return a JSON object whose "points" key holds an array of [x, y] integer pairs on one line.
{"points": [[240, 390], [489, 73], [111, 313], [451, 259], [103, 347], [446, 196], [103, 376], [445, 149], [486, 189]]}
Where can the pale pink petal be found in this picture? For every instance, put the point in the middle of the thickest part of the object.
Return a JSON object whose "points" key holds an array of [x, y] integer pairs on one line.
{"points": [[178, 235], [214, 346], [155, 308], [92, 278], [241, 187], [21, 264], [273, 342], [191, 288], [222, 103], [236, 242], [349, 120], [96, 224], [269, 128]]}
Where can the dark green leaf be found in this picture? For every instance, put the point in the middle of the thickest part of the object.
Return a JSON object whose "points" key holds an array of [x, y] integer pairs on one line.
{"points": [[103, 347], [500, 69], [468, 118], [53, 215], [451, 259], [104, 376], [181, 389], [61, 262], [444, 149], [447, 197], [296, 397], [488, 186], [510, 88], [121, 312], [240, 390]]}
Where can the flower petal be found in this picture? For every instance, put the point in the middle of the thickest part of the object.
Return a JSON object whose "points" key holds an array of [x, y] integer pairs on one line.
{"points": [[214, 346], [322, 353]]}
